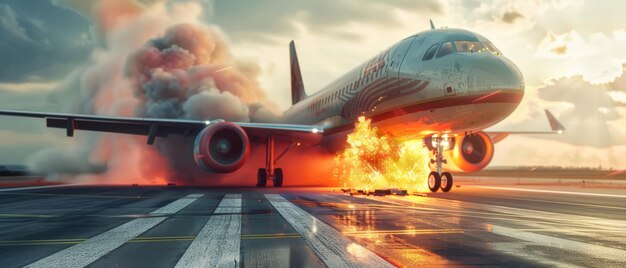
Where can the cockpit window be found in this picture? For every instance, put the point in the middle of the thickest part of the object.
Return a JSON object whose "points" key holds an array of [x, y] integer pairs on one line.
{"points": [[430, 52], [491, 47], [468, 46], [446, 48], [488, 44]]}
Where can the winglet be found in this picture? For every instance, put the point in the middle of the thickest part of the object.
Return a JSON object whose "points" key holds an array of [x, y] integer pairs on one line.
{"points": [[432, 25], [554, 123], [297, 87]]}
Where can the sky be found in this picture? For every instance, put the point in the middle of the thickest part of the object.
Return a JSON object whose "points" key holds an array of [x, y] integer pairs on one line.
{"points": [[572, 55]]}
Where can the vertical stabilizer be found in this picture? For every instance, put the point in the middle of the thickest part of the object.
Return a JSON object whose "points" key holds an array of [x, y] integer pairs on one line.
{"points": [[297, 87]]}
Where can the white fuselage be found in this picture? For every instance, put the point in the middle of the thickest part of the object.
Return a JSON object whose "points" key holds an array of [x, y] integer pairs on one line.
{"points": [[465, 89]]}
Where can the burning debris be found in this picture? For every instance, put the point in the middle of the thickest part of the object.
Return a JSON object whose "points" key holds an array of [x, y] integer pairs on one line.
{"points": [[374, 161]]}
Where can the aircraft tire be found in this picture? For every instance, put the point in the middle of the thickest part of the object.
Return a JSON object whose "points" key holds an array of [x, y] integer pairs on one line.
{"points": [[446, 182], [278, 177], [434, 181], [261, 179]]}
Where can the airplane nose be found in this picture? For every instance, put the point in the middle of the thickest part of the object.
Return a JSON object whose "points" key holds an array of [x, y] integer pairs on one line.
{"points": [[493, 72]]}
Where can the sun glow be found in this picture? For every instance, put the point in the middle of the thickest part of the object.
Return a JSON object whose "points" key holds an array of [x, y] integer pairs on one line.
{"points": [[374, 161]]}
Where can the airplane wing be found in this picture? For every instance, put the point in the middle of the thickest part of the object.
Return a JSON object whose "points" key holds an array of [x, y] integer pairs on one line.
{"points": [[155, 127], [555, 128]]}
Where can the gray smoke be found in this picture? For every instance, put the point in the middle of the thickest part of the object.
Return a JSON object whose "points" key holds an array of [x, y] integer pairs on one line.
{"points": [[156, 61]]}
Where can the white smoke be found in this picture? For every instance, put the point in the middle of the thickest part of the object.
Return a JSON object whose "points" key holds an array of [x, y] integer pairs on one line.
{"points": [[157, 60]]}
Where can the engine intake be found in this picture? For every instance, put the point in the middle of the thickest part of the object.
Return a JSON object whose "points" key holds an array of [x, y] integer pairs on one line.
{"points": [[472, 152], [221, 147]]}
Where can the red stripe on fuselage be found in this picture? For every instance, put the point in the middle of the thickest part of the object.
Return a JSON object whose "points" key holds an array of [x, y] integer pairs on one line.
{"points": [[501, 97]]}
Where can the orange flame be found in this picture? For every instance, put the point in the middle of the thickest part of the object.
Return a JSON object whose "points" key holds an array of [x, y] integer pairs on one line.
{"points": [[374, 161]]}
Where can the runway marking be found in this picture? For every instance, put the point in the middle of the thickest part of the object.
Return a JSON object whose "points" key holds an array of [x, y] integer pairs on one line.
{"points": [[566, 203], [593, 227], [145, 239], [86, 196], [596, 251], [547, 191], [334, 249], [218, 243], [25, 216], [405, 232], [39, 187], [90, 250]]}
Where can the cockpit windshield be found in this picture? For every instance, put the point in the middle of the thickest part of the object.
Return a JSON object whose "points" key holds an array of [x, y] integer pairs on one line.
{"points": [[488, 44], [468, 46], [491, 47]]}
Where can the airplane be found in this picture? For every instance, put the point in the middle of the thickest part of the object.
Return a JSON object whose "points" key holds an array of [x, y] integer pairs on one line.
{"points": [[444, 86]]}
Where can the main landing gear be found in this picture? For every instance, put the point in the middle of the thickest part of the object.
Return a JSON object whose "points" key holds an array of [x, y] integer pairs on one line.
{"points": [[438, 179], [270, 172]]}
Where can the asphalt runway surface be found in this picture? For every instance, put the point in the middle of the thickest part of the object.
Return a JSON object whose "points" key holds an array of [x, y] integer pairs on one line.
{"points": [[109, 226]]}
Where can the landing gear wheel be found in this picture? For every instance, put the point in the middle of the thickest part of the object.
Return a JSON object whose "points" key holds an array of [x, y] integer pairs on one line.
{"points": [[434, 181], [446, 182], [278, 177], [261, 178]]}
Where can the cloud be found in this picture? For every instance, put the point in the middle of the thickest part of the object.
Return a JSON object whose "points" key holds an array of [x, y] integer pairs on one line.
{"points": [[40, 41], [511, 16], [593, 114], [266, 20], [599, 57], [519, 150]]}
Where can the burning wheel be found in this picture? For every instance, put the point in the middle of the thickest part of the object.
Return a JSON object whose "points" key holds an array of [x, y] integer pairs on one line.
{"points": [[278, 177], [434, 181], [446, 182], [261, 179]]}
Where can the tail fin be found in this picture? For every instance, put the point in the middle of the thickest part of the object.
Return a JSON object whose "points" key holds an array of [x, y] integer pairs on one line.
{"points": [[297, 87]]}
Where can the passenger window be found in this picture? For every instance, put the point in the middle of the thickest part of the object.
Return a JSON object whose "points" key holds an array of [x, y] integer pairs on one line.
{"points": [[446, 48], [430, 52]]}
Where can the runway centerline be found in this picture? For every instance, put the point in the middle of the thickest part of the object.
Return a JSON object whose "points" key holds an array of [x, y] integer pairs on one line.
{"points": [[218, 243]]}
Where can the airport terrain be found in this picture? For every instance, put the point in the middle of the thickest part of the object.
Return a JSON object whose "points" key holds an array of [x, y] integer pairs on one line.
{"points": [[123, 226]]}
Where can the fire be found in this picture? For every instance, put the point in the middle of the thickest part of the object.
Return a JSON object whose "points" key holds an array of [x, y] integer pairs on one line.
{"points": [[375, 161]]}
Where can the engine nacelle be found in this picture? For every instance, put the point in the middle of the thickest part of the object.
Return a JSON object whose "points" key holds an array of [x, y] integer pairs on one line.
{"points": [[471, 152], [221, 147]]}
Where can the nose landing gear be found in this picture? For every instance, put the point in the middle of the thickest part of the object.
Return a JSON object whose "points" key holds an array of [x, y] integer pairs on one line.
{"points": [[439, 179]]}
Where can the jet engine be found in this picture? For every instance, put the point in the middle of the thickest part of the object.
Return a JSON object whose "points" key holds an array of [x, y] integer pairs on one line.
{"points": [[221, 147], [471, 152]]}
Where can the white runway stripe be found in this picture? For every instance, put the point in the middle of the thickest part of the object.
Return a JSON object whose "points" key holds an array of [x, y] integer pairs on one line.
{"points": [[331, 246], [40, 187], [597, 251], [218, 243], [547, 191], [83, 254]]}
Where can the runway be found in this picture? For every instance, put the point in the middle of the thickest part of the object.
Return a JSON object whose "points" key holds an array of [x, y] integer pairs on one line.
{"points": [[120, 226]]}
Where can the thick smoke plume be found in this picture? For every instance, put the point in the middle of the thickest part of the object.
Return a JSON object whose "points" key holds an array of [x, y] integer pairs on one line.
{"points": [[157, 61]]}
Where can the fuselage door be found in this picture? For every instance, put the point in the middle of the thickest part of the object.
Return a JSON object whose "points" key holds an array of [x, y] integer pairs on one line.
{"points": [[397, 57]]}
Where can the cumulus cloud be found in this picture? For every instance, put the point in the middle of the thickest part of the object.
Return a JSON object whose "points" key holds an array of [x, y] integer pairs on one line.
{"points": [[599, 57], [286, 19], [535, 151], [511, 16], [35, 51], [593, 114]]}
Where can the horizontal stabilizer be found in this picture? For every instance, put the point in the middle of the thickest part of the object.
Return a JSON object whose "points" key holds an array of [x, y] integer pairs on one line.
{"points": [[555, 128], [554, 123]]}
